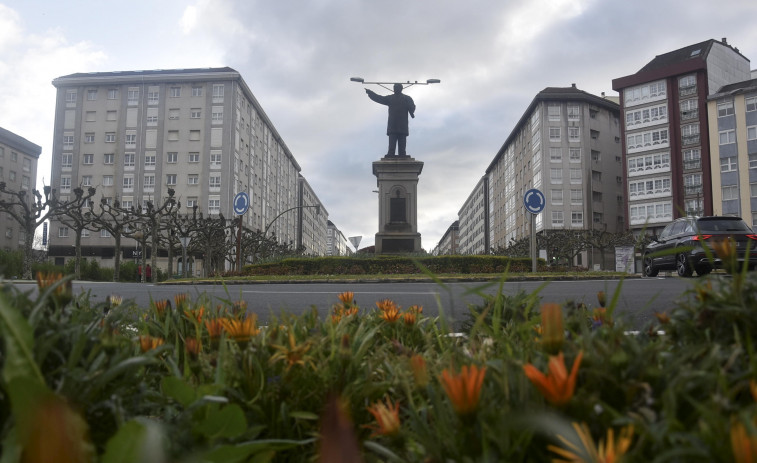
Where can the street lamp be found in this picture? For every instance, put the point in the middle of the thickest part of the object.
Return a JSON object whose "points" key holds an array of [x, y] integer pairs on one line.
{"points": [[407, 84]]}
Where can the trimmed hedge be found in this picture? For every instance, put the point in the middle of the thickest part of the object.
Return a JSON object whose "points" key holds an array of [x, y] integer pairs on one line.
{"points": [[391, 265]]}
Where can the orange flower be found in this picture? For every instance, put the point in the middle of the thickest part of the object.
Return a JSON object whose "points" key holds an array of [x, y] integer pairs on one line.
{"points": [[387, 417], [214, 327], [464, 389], [600, 317], [241, 330], [602, 298], [386, 305], [148, 343], [409, 318], [420, 371], [704, 291], [115, 300], [391, 314], [416, 309], [195, 314], [192, 346], [181, 300], [347, 298], [557, 387], [62, 294], [239, 307], [585, 450], [161, 306], [294, 354], [553, 333], [662, 317], [743, 444], [753, 389], [53, 431]]}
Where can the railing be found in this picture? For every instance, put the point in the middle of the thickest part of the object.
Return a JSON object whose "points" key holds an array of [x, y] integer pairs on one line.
{"points": [[685, 91], [692, 190], [692, 164], [688, 115], [690, 139]]}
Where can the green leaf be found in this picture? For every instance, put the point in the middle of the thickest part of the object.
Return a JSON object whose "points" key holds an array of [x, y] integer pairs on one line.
{"points": [[125, 446], [262, 449], [304, 416], [179, 390], [19, 345], [226, 422]]}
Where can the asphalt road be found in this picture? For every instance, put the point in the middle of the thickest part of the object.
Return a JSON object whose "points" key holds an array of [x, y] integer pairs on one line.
{"points": [[639, 298]]}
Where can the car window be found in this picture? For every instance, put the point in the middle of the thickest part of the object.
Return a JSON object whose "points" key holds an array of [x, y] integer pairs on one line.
{"points": [[678, 228], [723, 225], [666, 231]]}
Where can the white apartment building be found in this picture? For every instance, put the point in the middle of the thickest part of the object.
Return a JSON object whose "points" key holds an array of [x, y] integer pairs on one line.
{"points": [[473, 220], [313, 216], [134, 135], [336, 243], [18, 169]]}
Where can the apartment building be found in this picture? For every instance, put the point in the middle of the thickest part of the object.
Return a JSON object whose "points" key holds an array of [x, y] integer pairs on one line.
{"points": [[473, 220], [18, 170], [666, 142], [336, 243], [134, 135], [313, 217], [567, 145], [448, 245], [732, 113]]}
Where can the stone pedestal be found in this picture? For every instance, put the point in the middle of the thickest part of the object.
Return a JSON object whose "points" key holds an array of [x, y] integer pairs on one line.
{"points": [[397, 180]]}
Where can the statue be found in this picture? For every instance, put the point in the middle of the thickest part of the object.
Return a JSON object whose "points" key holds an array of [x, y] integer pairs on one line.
{"points": [[400, 105]]}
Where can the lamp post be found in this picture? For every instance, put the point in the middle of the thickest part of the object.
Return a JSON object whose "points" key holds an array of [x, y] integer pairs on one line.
{"points": [[405, 85], [265, 231]]}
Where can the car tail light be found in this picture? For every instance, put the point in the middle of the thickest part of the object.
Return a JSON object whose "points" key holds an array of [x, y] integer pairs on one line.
{"points": [[701, 237], [754, 237]]}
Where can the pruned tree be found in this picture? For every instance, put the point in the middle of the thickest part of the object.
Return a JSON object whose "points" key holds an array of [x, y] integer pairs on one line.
{"points": [[116, 221], [604, 241], [147, 223], [78, 219]]}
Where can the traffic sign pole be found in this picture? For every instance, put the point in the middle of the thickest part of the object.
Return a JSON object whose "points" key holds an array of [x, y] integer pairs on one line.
{"points": [[534, 201], [241, 204]]}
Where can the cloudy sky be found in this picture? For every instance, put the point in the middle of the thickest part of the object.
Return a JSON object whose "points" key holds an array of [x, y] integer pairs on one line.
{"points": [[492, 57]]}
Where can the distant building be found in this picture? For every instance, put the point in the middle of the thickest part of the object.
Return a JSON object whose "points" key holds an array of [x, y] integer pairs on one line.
{"points": [[336, 243], [732, 113], [201, 132], [313, 217], [567, 145], [18, 169], [448, 245], [666, 144]]}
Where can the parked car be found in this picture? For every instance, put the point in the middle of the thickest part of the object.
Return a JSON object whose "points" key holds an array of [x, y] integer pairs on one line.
{"points": [[681, 245]]}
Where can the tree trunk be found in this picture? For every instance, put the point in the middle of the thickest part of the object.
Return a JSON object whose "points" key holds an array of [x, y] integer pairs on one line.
{"points": [[154, 252], [28, 251], [77, 258], [117, 257]]}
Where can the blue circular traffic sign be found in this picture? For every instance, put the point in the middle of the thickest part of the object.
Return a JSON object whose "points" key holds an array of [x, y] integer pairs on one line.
{"points": [[534, 201], [241, 203]]}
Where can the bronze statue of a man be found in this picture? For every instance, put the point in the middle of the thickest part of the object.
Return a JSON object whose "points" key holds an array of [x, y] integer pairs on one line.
{"points": [[400, 105]]}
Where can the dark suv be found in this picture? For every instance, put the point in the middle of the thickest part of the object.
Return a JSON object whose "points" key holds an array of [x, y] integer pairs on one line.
{"points": [[681, 245]]}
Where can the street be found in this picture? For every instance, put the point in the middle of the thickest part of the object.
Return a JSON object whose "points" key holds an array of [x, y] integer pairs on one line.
{"points": [[639, 298]]}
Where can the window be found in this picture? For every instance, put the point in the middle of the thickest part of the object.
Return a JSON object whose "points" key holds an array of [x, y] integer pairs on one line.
{"points": [[596, 176], [575, 175], [576, 197], [104, 234], [196, 91], [575, 155], [195, 113], [63, 232], [217, 114], [554, 134], [217, 92], [70, 96], [751, 104], [172, 157], [88, 159], [556, 197], [553, 112], [110, 137], [728, 164], [555, 175], [753, 190], [175, 92], [594, 134], [215, 160], [131, 138], [751, 133], [127, 202], [108, 158], [753, 161], [128, 182], [725, 108], [577, 219], [170, 179], [214, 205], [191, 202], [153, 95], [215, 181], [727, 137], [129, 160], [132, 95], [574, 134], [65, 183], [555, 155], [12, 176], [25, 182], [112, 93], [194, 157], [149, 160], [558, 219], [596, 156], [194, 135], [111, 115], [86, 180], [730, 192], [68, 142], [687, 81], [149, 182], [89, 137], [193, 179], [90, 116], [173, 135], [574, 112], [173, 114], [66, 160], [107, 180], [91, 95]]}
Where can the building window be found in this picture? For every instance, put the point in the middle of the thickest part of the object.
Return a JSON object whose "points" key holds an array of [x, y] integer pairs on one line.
{"points": [[68, 142], [194, 157], [751, 104], [153, 96], [753, 190], [170, 179], [195, 113], [150, 160], [172, 157], [90, 116], [104, 234], [687, 82], [555, 175], [215, 160], [574, 134], [111, 115], [217, 92], [110, 137], [112, 93], [65, 184], [193, 179], [576, 197], [575, 175], [194, 135], [149, 182], [25, 182], [726, 137], [730, 192], [66, 160], [751, 133], [555, 155], [728, 164], [108, 158], [553, 112], [556, 197], [63, 232], [91, 95], [217, 114], [173, 135], [129, 160], [575, 154], [132, 95], [214, 205], [192, 202], [725, 108], [554, 134], [215, 181], [196, 91], [173, 114], [128, 182], [577, 219], [753, 161], [88, 159], [86, 180], [131, 139], [574, 112], [107, 180], [175, 92], [70, 96], [692, 159], [558, 220]]}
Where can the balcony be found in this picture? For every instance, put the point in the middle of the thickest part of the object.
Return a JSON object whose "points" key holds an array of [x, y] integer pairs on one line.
{"points": [[686, 91], [694, 212], [692, 190], [689, 115], [693, 164], [690, 139]]}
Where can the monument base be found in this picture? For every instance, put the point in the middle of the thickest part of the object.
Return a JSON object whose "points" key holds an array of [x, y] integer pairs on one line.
{"points": [[397, 181]]}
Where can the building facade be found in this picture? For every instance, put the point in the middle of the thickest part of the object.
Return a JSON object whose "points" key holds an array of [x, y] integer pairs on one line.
{"points": [[449, 245], [567, 145], [473, 220], [666, 143], [18, 169], [336, 243], [313, 219], [201, 132], [732, 113]]}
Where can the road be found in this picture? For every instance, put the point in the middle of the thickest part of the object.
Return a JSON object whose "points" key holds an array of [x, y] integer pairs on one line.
{"points": [[639, 298]]}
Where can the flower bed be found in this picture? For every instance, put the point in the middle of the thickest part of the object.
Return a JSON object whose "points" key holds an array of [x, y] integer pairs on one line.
{"points": [[186, 380]]}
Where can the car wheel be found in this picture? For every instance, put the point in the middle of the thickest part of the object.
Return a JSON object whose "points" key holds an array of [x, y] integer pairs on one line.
{"points": [[704, 270], [649, 269], [682, 266]]}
